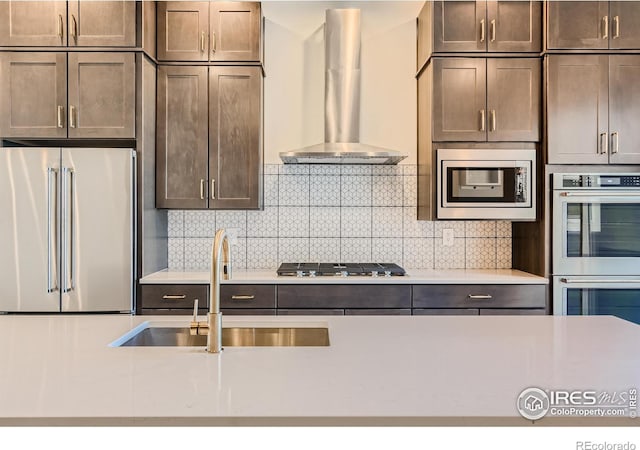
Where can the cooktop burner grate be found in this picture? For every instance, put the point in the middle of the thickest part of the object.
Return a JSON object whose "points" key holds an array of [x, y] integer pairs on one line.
{"points": [[340, 269]]}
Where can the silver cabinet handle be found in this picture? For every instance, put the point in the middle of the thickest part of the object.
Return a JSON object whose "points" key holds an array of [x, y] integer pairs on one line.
{"points": [[72, 116], [213, 42], [213, 189], [492, 31], [202, 185], [174, 297], [604, 144], [243, 297], [480, 297], [52, 235], [482, 30], [616, 27], [68, 231], [605, 27], [483, 120], [74, 28], [60, 116], [202, 41], [60, 26], [614, 142], [493, 120]]}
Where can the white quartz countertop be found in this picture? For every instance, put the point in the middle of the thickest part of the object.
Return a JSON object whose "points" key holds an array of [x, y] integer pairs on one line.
{"points": [[60, 369], [414, 276]]}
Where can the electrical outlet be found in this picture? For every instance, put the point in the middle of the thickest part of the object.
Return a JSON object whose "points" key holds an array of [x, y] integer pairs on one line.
{"points": [[232, 235], [447, 237]]}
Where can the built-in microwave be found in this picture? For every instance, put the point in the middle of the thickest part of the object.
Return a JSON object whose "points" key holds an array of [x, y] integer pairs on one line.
{"points": [[486, 184]]}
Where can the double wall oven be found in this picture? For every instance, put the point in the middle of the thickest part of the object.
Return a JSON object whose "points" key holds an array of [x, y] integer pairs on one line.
{"points": [[596, 245]]}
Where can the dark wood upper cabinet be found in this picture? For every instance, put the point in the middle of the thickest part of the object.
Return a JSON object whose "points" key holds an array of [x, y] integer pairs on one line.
{"points": [[593, 25], [33, 94], [459, 26], [101, 95], [182, 137], [235, 155], [624, 109], [183, 30], [235, 29], [459, 99], [479, 26], [513, 99], [84, 23], [625, 25], [209, 128], [478, 99], [27, 23], [514, 26], [209, 31], [102, 23], [577, 109]]}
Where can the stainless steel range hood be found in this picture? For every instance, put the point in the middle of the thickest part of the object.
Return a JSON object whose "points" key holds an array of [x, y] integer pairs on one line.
{"points": [[342, 100]]}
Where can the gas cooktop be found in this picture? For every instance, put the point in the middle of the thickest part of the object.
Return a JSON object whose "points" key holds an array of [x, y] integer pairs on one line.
{"points": [[340, 270]]}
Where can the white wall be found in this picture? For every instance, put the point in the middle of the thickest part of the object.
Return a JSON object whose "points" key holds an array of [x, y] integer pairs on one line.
{"points": [[294, 65]]}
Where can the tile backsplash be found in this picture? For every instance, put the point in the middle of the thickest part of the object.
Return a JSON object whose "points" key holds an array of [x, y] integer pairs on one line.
{"points": [[330, 213]]}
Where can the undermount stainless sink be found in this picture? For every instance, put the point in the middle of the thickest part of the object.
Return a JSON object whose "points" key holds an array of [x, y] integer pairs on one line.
{"points": [[158, 336]]}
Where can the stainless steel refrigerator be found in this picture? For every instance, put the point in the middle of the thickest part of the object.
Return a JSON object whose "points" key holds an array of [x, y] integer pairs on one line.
{"points": [[67, 229]]}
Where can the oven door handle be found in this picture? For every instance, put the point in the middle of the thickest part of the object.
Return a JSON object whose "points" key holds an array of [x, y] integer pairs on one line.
{"points": [[608, 281], [600, 194]]}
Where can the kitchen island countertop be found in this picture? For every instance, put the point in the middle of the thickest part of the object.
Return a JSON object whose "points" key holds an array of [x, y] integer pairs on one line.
{"points": [[455, 370], [414, 276]]}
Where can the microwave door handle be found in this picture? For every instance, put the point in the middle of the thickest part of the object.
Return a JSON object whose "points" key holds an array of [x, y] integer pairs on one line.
{"points": [[600, 194], [603, 281]]}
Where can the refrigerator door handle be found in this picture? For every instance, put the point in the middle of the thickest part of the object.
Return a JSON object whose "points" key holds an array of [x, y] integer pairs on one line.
{"points": [[52, 229], [68, 231]]}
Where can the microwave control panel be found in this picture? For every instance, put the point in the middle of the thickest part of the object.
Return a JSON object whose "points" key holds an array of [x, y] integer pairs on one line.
{"points": [[601, 181]]}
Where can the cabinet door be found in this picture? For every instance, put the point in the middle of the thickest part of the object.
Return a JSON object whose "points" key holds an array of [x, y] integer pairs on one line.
{"points": [[459, 99], [511, 312], [235, 147], [102, 99], [181, 152], [514, 26], [33, 95], [27, 23], [460, 26], [235, 31], [577, 109], [102, 23], [625, 24], [183, 30], [513, 99], [577, 24], [624, 109]]}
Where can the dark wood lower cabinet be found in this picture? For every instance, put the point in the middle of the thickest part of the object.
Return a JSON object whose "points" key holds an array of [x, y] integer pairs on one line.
{"points": [[347, 299]]}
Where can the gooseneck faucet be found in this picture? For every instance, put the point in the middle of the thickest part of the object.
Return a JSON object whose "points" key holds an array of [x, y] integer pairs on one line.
{"points": [[213, 326]]}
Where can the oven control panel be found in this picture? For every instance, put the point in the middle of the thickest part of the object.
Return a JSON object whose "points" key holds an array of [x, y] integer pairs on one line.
{"points": [[598, 181]]}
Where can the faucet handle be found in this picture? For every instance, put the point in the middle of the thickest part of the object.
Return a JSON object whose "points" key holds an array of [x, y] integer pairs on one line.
{"points": [[195, 310], [193, 327]]}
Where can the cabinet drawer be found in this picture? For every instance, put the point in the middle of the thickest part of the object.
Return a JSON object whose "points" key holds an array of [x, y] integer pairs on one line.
{"points": [[248, 312], [445, 312], [344, 296], [311, 312], [174, 312], [236, 296], [479, 296], [377, 312], [512, 312], [173, 296]]}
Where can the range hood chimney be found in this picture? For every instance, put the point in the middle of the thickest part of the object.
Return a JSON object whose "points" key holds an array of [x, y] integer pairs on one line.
{"points": [[342, 100]]}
